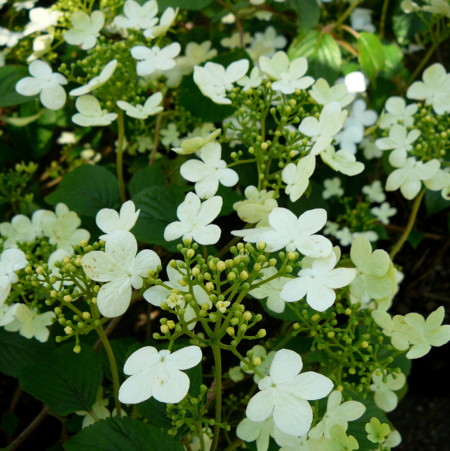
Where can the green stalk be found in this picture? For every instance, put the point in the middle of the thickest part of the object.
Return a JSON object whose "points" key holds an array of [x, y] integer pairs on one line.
{"points": [[119, 157], [347, 13], [218, 389]]}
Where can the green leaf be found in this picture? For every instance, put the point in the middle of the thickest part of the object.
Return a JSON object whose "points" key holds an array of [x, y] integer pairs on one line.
{"points": [[393, 60], [185, 4], [120, 348], [155, 412], [371, 54], [435, 203], [9, 76], [308, 12], [17, 352], [86, 190], [66, 381], [146, 178], [118, 434], [406, 26]]}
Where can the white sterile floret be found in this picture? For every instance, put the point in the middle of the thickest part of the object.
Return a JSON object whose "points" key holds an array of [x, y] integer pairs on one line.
{"points": [[317, 280], [108, 220], [41, 19], [338, 412], [21, 229], [136, 16], [266, 44], [341, 161], [361, 20], [360, 116], [256, 206], [323, 130], [400, 142], [196, 143], [438, 7], [207, 174], [174, 295], [323, 94], [297, 176], [158, 374], [271, 290], [253, 81], [45, 83], [153, 59], [356, 82], [91, 114], [286, 230], [396, 111], [383, 212], [150, 107], [214, 80], [29, 323], [434, 89], [121, 268], [384, 386], [105, 74], [85, 29], [41, 46], [288, 75], [409, 177], [98, 411], [11, 260], [349, 138], [285, 394], [195, 220], [165, 22], [374, 192], [332, 187]]}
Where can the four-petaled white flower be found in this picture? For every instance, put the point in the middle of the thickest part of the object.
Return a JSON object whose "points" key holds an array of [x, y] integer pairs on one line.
{"points": [[253, 81], [158, 374], [434, 89], [166, 20], [285, 394], [286, 230], [361, 20], [154, 59], [374, 192], [195, 220], [383, 212], [341, 161], [41, 19], [397, 111], [91, 113], [214, 80], [317, 281], [332, 187], [105, 74], [150, 107], [288, 75], [108, 220], [384, 386], [45, 83], [11, 260], [85, 29], [121, 268], [196, 143], [256, 206], [207, 174], [323, 94], [20, 229], [297, 176], [136, 16]]}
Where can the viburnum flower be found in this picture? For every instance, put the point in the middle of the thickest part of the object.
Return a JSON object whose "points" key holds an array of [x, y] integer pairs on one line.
{"points": [[121, 268], [207, 174], [41, 19], [195, 144], [383, 212], [374, 192], [317, 280], [253, 81], [258, 352], [332, 187], [266, 43], [195, 220], [323, 130], [395, 327], [434, 89], [105, 74], [323, 94], [85, 29], [214, 80], [153, 59], [45, 83], [195, 54], [284, 394], [11, 260], [21, 229], [136, 16], [356, 81], [297, 176], [361, 20], [166, 20], [384, 386], [396, 111], [438, 7], [257, 205], [98, 411], [150, 107], [286, 230], [288, 75], [158, 374], [341, 161], [108, 220], [91, 114], [360, 116]]}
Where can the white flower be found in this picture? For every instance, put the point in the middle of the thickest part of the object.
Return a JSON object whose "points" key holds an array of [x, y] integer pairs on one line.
{"points": [[214, 80], [397, 112], [85, 29], [284, 394], [322, 131], [30, 324], [383, 212], [41, 19], [97, 81], [253, 81], [337, 413], [97, 411], [9, 38], [400, 142], [374, 192], [166, 20], [286, 230], [207, 174], [150, 107], [349, 137], [297, 176], [361, 20], [409, 177], [11, 260], [108, 220], [234, 41], [194, 144], [195, 220], [355, 82], [360, 116], [41, 45], [317, 281], [257, 205], [434, 89], [323, 94], [170, 136], [21, 229], [341, 161], [153, 59], [384, 386], [258, 353], [438, 7], [288, 75], [91, 113], [332, 187], [44, 82], [370, 149], [157, 374], [266, 44], [195, 54], [136, 16]]}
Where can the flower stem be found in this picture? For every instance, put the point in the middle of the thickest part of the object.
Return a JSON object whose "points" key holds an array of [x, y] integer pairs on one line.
{"points": [[218, 397], [347, 13], [119, 157], [412, 219], [383, 18]]}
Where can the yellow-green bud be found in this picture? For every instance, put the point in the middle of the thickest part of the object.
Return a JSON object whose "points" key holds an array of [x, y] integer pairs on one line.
{"points": [[164, 329], [209, 286], [190, 253], [230, 331], [247, 316], [221, 266]]}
